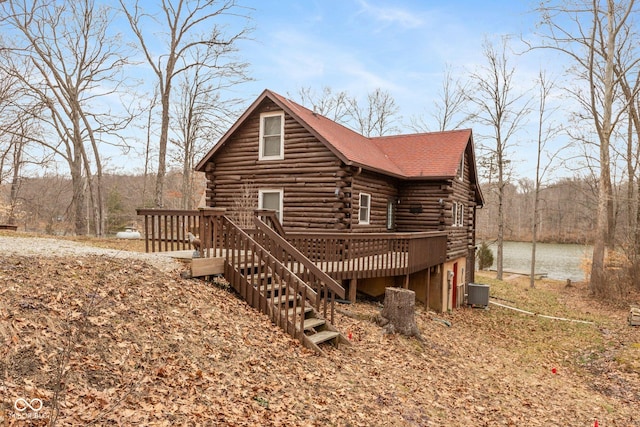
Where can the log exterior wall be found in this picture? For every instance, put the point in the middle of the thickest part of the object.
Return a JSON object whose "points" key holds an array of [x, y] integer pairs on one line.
{"points": [[382, 190], [309, 176], [428, 206]]}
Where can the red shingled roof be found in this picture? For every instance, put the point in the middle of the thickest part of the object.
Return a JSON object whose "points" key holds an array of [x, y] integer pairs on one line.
{"points": [[428, 155], [424, 155]]}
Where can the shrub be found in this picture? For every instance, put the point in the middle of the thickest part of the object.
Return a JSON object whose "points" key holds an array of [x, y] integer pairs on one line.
{"points": [[484, 256]]}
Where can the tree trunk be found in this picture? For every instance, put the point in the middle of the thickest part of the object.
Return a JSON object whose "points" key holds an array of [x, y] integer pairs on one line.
{"points": [[398, 314], [162, 150], [15, 181]]}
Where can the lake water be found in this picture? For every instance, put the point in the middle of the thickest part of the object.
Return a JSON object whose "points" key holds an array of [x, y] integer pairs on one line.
{"points": [[559, 261]]}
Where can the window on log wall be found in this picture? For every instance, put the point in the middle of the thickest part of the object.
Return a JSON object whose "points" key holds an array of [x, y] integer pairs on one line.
{"points": [[390, 216], [272, 136], [457, 213], [272, 200], [365, 208]]}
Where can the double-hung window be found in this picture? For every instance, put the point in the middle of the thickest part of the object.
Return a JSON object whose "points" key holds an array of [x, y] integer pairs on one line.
{"points": [[272, 136], [365, 208]]}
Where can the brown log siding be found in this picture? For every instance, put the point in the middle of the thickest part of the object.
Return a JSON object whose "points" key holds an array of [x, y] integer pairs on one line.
{"points": [[309, 176], [461, 238], [382, 189], [420, 209]]}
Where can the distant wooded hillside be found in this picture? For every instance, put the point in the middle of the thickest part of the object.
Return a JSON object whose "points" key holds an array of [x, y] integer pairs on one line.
{"points": [[567, 212], [43, 204]]}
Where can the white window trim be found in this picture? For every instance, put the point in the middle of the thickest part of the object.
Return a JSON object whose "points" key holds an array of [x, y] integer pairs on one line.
{"points": [[261, 193], [261, 155], [368, 219], [457, 212], [390, 214], [461, 168], [454, 214]]}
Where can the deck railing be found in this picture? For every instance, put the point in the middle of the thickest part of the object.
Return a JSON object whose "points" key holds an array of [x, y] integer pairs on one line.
{"points": [[247, 266], [339, 255], [167, 229], [364, 255], [324, 285]]}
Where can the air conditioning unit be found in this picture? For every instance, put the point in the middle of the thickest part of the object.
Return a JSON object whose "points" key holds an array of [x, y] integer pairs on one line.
{"points": [[478, 295]]}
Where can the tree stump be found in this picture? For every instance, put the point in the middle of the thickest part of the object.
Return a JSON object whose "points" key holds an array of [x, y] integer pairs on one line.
{"points": [[398, 313]]}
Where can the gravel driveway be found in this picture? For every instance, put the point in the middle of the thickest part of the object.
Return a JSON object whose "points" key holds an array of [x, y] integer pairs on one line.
{"points": [[32, 246]]}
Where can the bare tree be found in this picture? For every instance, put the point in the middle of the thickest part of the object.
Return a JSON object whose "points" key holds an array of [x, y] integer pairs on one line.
{"points": [[590, 33], [548, 129], [449, 112], [201, 115], [74, 67], [503, 111], [148, 146], [377, 116], [332, 105], [9, 93], [189, 27]]}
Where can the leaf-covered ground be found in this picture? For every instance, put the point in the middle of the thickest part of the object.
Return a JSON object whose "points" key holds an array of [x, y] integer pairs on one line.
{"points": [[105, 341]]}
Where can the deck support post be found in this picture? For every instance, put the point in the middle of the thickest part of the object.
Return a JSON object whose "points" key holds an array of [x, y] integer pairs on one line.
{"points": [[405, 285], [353, 287]]}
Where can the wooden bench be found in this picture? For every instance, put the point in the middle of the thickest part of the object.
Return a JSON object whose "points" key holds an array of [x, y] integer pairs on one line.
{"points": [[8, 227]]}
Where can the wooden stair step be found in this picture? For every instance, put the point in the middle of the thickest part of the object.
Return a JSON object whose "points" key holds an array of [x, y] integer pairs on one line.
{"points": [[313, 322], [281, 299], [323, 336], [270, 287], [307, 309]]}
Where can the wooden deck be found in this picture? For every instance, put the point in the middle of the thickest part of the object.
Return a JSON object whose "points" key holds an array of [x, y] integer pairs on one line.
{"points": [[341, 255], [365, 266], [376, 265]]}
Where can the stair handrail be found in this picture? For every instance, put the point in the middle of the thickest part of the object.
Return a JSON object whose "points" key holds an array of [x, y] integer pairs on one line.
{"points": [[273, 220], [299, 257], [260, 255], [311, 294]]}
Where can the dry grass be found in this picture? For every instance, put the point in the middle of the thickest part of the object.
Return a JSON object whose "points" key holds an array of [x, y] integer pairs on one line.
{"points": [[153, 349]]}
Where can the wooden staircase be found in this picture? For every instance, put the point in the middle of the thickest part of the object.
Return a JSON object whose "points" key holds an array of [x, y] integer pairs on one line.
{"points": [[275, 278], [312, 328]]}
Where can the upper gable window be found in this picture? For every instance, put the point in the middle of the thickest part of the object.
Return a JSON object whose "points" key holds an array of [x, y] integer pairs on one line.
{"points": [[271, 136]]}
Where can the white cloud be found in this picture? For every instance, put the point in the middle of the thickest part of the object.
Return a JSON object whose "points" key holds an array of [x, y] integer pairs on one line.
{"points": [[391, 15]]}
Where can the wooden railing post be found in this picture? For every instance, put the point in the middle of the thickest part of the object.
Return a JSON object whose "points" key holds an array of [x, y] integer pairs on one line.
{"points": [[209, 224]]}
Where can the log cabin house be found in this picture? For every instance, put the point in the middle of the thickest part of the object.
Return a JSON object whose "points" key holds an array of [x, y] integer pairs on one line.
{"points": [[320, 177], [350, 213]]}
